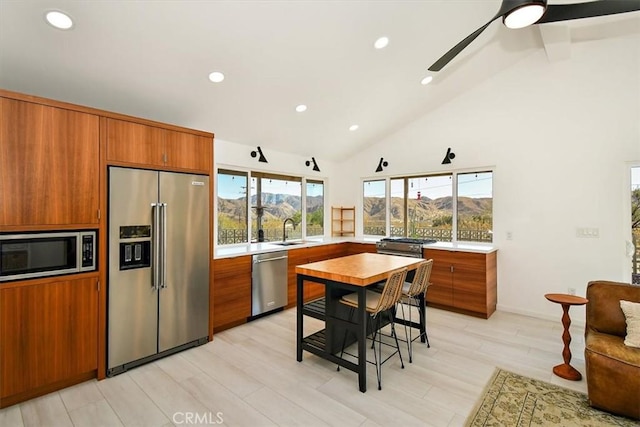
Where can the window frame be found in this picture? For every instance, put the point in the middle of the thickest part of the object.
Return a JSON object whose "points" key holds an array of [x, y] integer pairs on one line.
{"points": [[454, 195], [249, 175]]}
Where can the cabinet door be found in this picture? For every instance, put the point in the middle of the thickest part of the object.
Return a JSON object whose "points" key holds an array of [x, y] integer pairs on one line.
{"points": [[49, 333], [320, 253], [49, 163], [295, 257], [231, 291], [358, 248], [135, 143], [187, 151], [441, 289]]}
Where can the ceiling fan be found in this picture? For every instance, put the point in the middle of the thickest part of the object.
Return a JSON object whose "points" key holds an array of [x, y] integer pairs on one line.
{"points": [[522, 13]]}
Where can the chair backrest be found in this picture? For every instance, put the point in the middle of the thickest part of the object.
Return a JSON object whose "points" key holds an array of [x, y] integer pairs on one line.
{"points": [[421, 279], [392, 290]]}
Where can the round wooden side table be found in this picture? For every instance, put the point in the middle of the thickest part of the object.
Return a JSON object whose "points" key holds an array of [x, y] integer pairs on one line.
{"points": [[565, 370]]}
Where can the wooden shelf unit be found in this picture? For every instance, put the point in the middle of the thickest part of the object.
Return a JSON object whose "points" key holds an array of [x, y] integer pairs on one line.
{"points": [[343, 221]]}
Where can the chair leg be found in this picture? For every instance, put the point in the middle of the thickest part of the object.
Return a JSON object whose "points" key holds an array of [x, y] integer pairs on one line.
{"points": [[393, 328], [407, 334], [377, 359]]}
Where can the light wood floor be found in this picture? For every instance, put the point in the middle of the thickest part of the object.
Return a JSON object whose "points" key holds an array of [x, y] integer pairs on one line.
{"points": [[249, 376]]}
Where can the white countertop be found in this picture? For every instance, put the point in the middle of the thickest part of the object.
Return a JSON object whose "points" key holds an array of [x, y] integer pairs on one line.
{"points": [[229, 251]]}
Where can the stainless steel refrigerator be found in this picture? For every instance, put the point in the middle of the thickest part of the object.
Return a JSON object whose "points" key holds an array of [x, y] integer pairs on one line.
{"points": [[158, 281]]}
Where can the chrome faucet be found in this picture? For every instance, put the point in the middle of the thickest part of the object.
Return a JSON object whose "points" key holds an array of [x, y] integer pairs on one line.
{"points": [[284, 228]]}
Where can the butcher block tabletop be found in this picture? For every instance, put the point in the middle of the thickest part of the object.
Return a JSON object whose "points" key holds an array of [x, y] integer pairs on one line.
{"points": [[360, 269]]}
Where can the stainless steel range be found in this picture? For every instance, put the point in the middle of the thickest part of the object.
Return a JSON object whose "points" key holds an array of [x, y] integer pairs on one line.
{"points": [[403, 246]]}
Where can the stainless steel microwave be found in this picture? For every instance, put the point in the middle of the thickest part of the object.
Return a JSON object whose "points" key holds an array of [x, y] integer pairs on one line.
{"points": [[31, 255]]}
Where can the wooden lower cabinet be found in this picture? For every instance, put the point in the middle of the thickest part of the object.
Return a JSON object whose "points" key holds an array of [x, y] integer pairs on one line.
{"points": [[358, 248], [48, 336], [305, 256], [463, 281], [231, 292]]}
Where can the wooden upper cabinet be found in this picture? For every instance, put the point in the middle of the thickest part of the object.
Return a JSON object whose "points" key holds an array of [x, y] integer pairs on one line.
{"points": [[143, 145], [49, 165], [187, 151], [134, 143]]}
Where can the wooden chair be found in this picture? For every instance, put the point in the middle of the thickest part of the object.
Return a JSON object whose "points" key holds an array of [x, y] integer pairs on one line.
{"points": [[376, 304], [410, 297]]}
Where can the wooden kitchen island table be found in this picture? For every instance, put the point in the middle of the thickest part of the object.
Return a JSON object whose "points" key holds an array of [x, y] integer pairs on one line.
{"points": [[343, 275]]}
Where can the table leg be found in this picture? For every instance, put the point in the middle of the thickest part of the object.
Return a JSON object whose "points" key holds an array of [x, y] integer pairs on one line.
{"points": [[362, 339], [565, 370], [300, 317]]}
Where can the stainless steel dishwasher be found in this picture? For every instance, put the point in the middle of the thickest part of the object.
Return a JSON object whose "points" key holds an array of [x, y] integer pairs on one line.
{"points": [[268, 282]]}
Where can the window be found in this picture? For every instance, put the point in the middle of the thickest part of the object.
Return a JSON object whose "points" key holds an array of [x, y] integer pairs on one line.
{"points": [[232, 207], [423, 207], [315, 208], [374, 208], [475, 207], [252, 206], [398, 208], [431, 208], [275, 198]]}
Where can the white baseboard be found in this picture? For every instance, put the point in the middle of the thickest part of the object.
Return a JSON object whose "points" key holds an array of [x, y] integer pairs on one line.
{"points": [[538, 315]]}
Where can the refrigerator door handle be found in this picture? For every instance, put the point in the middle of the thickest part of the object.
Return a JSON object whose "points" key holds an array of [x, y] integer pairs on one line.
{"points": [[164, 245], [155, 208]]}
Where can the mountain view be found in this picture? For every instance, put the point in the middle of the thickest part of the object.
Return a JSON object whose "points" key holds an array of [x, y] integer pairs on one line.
{"points": [[430, 212], [277, 207]]}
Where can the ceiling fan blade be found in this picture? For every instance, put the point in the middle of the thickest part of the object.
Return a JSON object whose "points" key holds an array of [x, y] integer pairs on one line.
{"points": [[447, 57], [566, 12]]}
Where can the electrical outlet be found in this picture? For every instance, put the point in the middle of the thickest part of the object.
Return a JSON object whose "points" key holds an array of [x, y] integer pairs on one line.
{"points": [[572, 291], [586, 232], [509, 235]]}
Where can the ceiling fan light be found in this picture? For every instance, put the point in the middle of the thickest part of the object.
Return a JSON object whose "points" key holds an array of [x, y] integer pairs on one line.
{"points": [[524, 15]]}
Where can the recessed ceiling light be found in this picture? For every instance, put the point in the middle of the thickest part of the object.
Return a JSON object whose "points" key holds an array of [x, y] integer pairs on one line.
{"points": [[301, 108], [382, 42], [216, 77], [59, 19], [426, 80], [353, 127]]}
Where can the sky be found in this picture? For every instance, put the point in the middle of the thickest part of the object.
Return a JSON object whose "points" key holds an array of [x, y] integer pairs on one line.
{"points": [[474, 185], [233, 187]]}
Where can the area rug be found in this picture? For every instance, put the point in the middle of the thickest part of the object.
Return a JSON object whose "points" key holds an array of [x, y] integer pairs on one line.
{"points": [[513, 400]]}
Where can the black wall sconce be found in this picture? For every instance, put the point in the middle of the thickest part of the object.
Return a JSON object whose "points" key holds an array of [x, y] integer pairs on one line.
{"points": [[382, 163], [262, 158], [448, 157], [315, 165]]}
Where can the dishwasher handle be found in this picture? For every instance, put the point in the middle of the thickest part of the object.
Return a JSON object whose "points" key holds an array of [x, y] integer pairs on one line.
{"points": [[270, 259]]}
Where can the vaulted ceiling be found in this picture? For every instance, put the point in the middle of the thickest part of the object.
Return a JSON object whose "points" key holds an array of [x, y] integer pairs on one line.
{"points": [[152, 59]]}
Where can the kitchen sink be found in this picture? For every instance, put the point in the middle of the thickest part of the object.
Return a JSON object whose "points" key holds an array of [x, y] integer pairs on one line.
{"points": [[287, 243]]}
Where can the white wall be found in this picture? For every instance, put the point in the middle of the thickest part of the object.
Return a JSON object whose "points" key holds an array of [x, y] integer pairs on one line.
{"points": [[231, 155], [559, 137]]}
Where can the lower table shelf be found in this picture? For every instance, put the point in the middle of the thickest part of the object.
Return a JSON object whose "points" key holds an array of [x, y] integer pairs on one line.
{"points": [[315, 308]]}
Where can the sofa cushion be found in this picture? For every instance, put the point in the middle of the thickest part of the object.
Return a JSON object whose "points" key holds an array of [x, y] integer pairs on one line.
{"points": [[612, 347], [631, 312], [603, 311]]}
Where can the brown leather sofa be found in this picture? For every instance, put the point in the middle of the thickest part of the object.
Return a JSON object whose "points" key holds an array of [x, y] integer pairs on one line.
{"points": [[613, 369]]}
